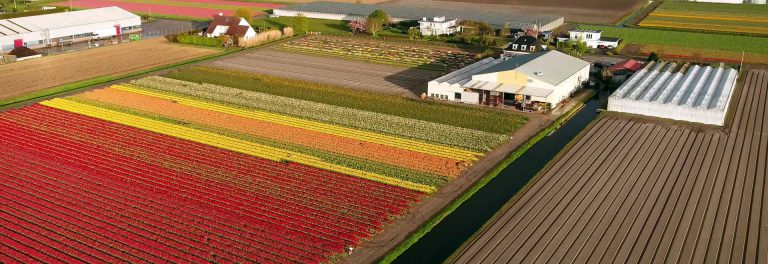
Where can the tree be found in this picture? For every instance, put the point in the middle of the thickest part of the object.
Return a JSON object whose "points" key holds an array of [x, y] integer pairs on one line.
{"points": [[653, 57], [413, 33], [606, 74], [381, 16], [244, 13], [581, 48], [376, 22], [301, 24], [487, 40], [357, 26], [505, 32]]}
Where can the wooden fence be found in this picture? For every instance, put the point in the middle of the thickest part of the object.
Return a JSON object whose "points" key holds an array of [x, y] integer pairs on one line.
{"points": [[264, 37]]}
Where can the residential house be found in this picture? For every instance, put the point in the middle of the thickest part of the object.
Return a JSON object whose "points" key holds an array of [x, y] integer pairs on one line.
{"points": [[525, 45], [438, 26], [237, 27], [593, 38]]}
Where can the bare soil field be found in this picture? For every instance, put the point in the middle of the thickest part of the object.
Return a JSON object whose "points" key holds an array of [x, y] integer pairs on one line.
{"points": [[38, 74], [321, 69], [589, 11], [640, 190]]}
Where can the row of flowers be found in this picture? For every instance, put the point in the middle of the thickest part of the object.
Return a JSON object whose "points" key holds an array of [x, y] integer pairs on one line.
{"points": [[375, 122], [395, 52], [69, 171]]}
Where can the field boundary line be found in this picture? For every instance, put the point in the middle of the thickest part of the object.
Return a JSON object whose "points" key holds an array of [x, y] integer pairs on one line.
{"points": [[479, 184]]}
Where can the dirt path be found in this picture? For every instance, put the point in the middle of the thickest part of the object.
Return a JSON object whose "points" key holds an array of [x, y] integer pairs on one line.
{"points": [[400, 229]]}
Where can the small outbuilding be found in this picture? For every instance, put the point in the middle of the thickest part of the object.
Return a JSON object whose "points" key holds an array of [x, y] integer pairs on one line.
{"points": [[593, 38], [692, 93], [236, 27], [437, 26], [24, 53], [537, 81]]}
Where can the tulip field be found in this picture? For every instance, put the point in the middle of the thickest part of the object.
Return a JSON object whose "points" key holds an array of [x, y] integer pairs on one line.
{"points": [[385, 52], [750, 19], [167, 170]]}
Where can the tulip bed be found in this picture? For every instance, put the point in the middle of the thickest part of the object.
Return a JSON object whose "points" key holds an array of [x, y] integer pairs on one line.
{"points": [[71, 193], [385, 52], [165, 170], [750, 19]]}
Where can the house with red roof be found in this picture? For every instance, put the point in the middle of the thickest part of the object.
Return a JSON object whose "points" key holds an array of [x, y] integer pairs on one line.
{"points": [[237, 27], [629, 66]]}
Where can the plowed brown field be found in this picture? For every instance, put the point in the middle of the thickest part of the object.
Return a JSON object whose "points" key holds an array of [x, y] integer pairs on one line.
{"points": [[34, 75], [632, 190]]}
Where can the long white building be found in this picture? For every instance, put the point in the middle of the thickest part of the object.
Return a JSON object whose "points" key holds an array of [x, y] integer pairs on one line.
{"points": [[687, 93], [55, 29], [527, 81]]}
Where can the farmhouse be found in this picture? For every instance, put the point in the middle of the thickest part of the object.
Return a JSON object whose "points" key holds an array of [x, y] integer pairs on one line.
{"points": [[690, 93], [438, 26], [65, 28], [535, 81], [352, 11], [237, 27], [593, 38], [525, 45]]}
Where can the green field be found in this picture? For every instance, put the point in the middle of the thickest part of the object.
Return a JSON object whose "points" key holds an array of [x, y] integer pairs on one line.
{"points": [[315, 25], [745, 9], [483, 119], [712, 17], [712, 41]]}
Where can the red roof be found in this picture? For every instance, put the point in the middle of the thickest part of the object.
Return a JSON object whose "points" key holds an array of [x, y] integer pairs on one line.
{"points": [[631, 65], [235, 29]]}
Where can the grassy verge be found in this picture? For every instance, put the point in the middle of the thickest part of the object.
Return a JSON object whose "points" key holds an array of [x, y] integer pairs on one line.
{"points": [[478, 118], [436, 219], [99, 80]]}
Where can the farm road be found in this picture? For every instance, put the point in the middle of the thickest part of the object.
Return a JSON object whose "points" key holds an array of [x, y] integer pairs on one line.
{"points": [[353, 74]]}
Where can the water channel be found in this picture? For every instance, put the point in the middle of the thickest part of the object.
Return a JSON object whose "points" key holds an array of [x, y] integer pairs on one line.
{"points": [[445, 238]]}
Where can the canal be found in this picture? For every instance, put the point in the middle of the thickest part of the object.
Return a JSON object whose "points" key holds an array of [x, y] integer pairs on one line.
{"points": [[445, 238]]}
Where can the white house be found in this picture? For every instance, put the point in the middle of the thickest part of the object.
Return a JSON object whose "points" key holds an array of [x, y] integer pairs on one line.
{"points": [[438, 26], [533, 81], [230, 26], [68, 27], [593, 38]]}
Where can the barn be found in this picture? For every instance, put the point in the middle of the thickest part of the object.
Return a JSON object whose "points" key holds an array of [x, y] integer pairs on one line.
{"points": [[692, 93], [537, 81], [64, 28], [352, 11]]}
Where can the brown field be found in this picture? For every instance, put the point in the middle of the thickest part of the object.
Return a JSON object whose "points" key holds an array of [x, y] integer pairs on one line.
{"points": [[638, 190], [38, 74], [585, 11], [329, 70]]}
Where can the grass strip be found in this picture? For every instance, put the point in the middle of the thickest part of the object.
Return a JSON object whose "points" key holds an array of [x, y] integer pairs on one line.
{"points": [[437, 218]]}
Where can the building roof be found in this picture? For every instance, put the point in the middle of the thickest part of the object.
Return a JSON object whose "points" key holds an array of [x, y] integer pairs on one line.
{"points": [[585, 30], [630, 191], [417, 13], [688, 86], [233, 24], [464, 75], [610, 39], [630, 65], [21, 52], [552, 67], [28, 24]]}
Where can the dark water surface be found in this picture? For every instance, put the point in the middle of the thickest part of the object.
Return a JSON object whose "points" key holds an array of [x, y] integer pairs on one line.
{"points": [[437, 245]]}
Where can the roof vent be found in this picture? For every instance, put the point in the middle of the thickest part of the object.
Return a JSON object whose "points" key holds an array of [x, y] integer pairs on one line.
{"points": [[538, 73]]}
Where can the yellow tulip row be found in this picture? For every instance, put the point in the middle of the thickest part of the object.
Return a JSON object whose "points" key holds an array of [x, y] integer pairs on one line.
{"points": [[224, 142], [417, 146]]}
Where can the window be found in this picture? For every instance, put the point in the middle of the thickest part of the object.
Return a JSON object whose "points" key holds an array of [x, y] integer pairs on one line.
{"points": [[432, 95], [589, 36], [525, 47], [532, 48], [514, 46], [457, 96]]}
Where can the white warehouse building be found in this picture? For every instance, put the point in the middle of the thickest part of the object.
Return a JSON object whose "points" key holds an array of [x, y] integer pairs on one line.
{"points": [[687, 93], [534, 81], [68, 27]]}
